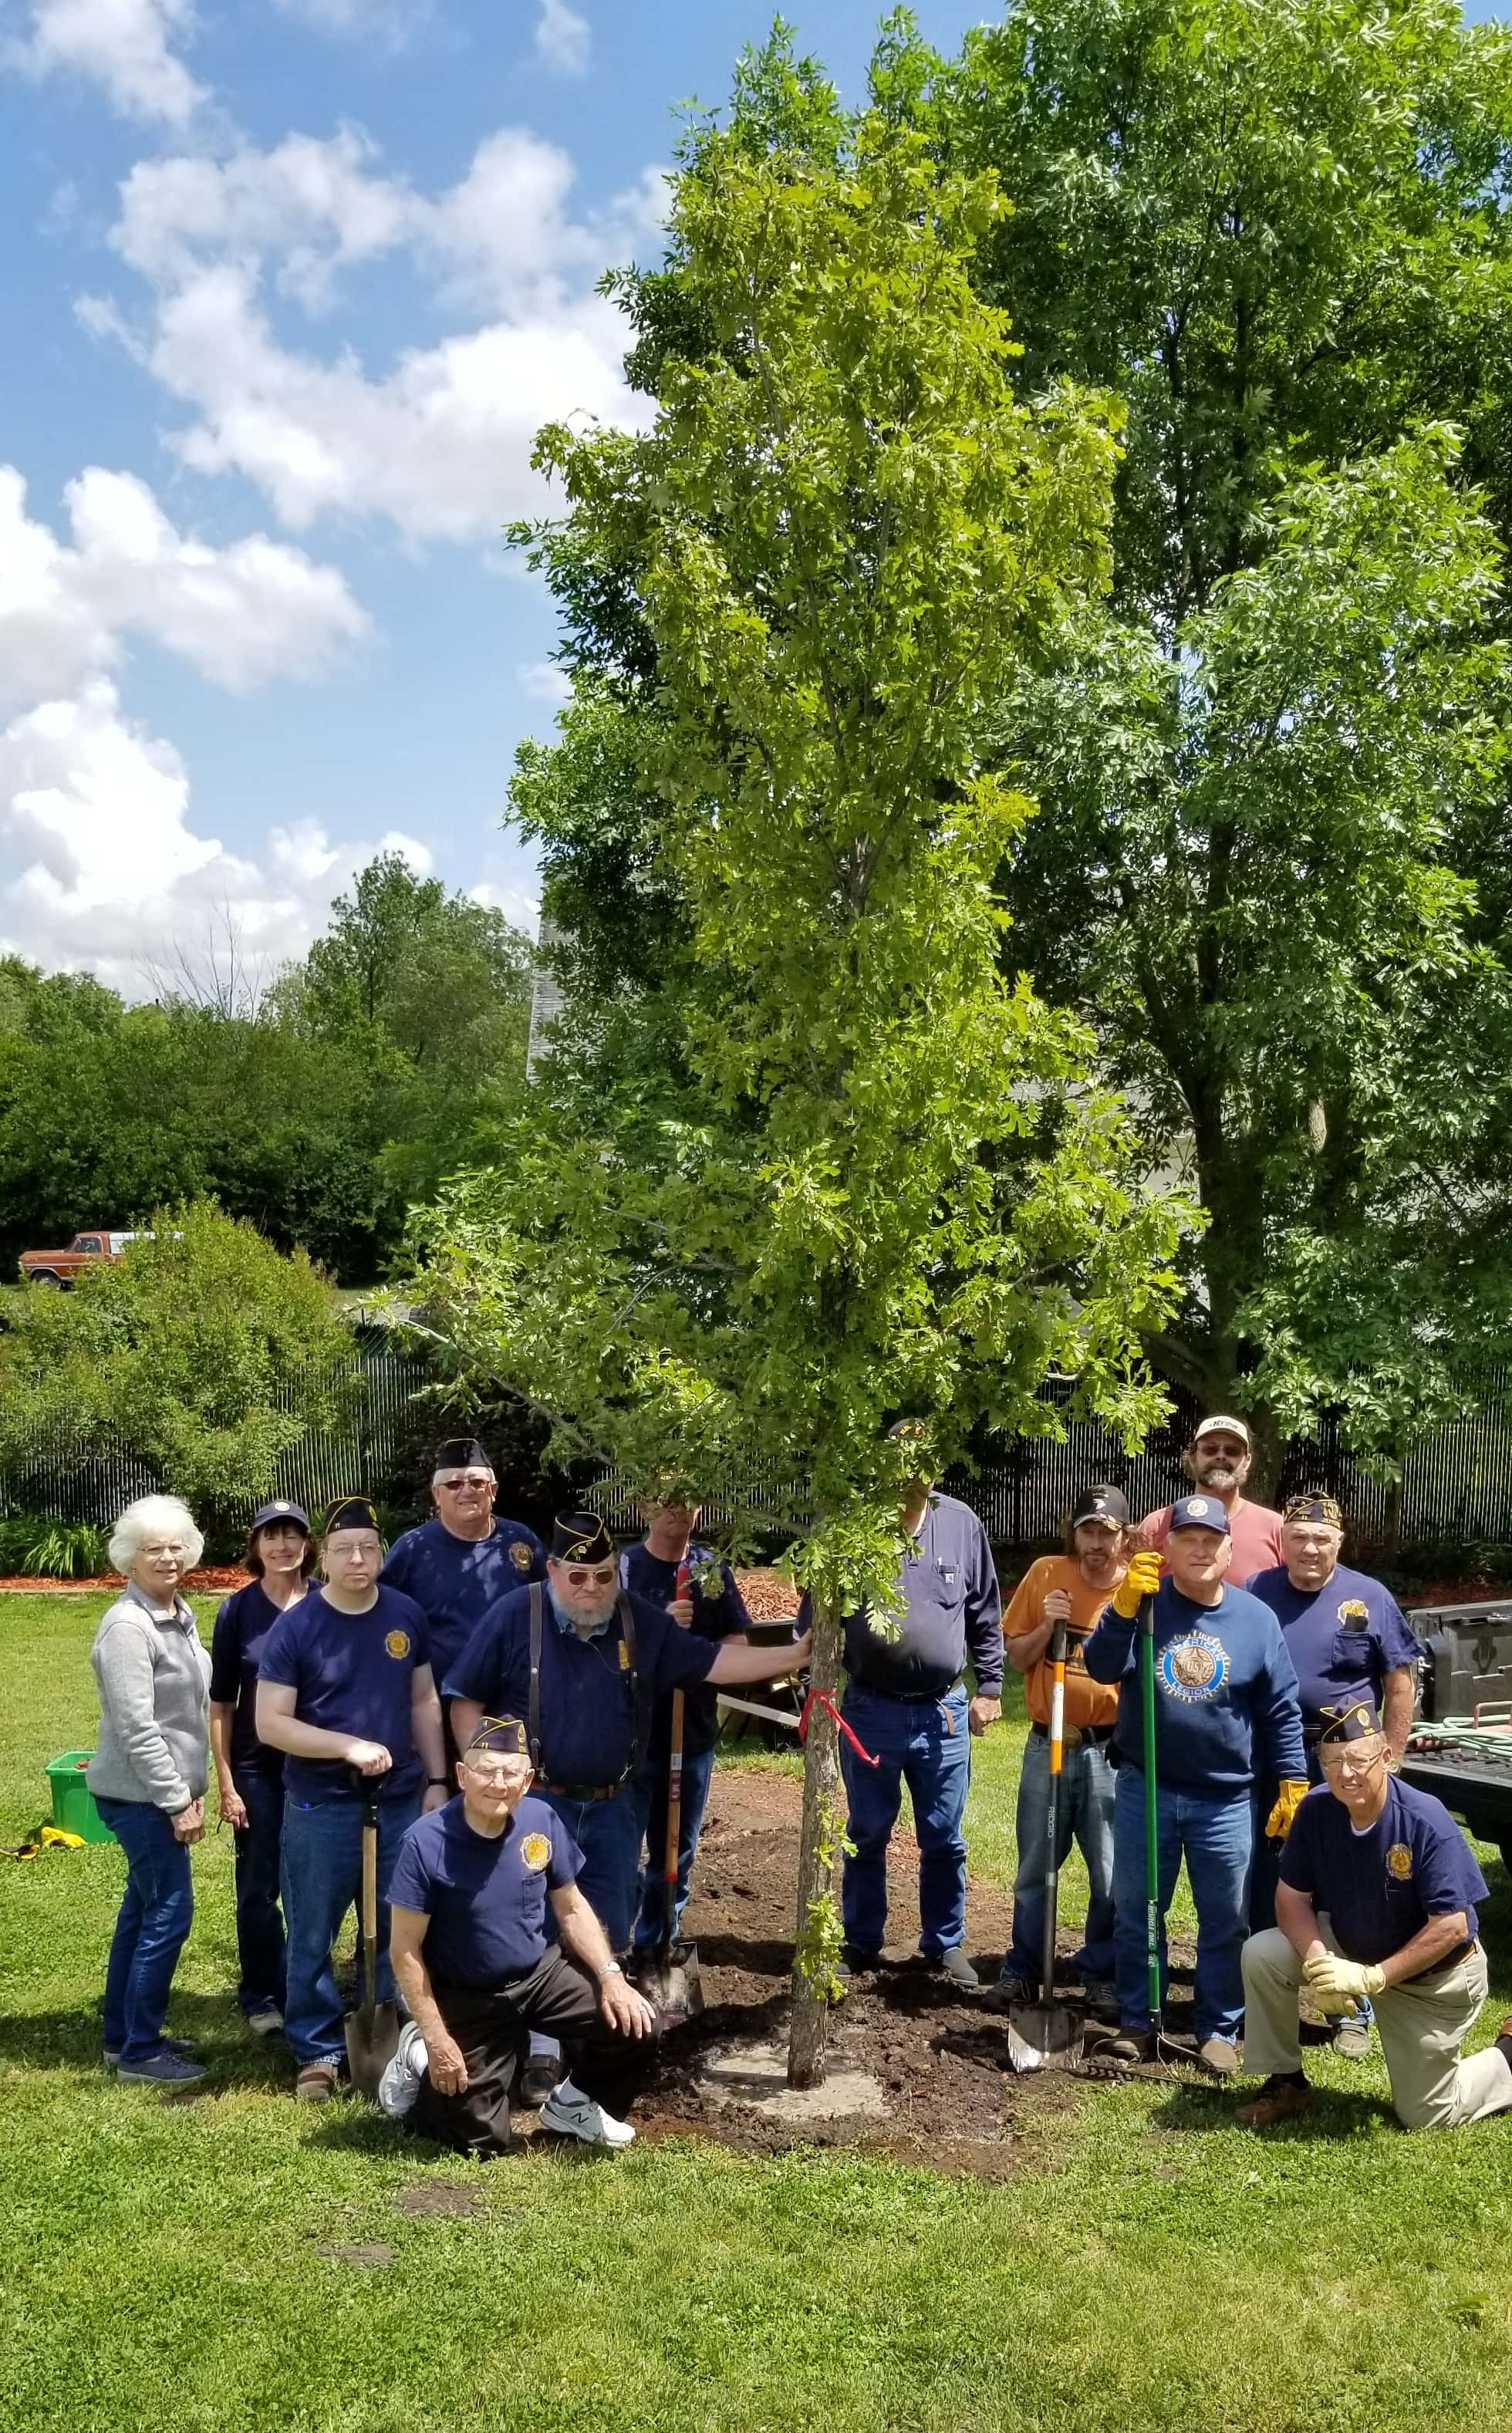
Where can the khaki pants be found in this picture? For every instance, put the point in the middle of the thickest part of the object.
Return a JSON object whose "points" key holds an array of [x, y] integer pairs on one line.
{"points": [[1422, 2027]]}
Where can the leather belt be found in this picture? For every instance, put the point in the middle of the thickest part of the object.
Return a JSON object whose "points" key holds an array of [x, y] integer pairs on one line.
{"points": [[1450, 1960], [1094, 1735], [585, 1790]]}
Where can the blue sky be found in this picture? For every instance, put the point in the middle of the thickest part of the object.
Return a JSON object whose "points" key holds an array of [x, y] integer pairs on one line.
{"points": [[290, 283]]}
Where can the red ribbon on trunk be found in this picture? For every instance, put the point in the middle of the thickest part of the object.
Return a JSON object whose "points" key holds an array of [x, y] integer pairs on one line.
{"points": [[817, 1698]]}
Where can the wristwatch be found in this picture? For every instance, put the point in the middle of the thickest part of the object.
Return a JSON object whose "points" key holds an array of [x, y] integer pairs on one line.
{"points": [[435, 1782], [613, 1969]]}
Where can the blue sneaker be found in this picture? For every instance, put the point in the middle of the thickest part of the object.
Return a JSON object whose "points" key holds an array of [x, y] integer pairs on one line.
{"points": [[179, 2045], [164, 2069]]}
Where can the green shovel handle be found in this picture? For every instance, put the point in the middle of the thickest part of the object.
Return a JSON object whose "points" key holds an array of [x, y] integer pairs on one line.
{"points": [[1152, 1876]]}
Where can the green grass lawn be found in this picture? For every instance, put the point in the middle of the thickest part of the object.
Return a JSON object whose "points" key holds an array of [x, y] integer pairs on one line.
{"points": [[1150, 2267]]}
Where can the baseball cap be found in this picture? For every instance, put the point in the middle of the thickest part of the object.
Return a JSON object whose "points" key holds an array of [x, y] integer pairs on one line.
{"points": [[1221, 1419], [266, 1514], [1103, 1504], [1199, 1512]]}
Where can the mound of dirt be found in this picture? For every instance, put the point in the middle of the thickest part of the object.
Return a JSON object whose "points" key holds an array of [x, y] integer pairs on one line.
{"points": [[939, 2058]]}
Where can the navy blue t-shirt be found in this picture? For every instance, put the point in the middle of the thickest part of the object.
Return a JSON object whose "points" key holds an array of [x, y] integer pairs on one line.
{"points": [[1225, 1705], [1381, 1888], [352, 1673], [588, 1720], [719, 1615], [242, 1625], [455, 1580], [484, 1896], [1343, 1639], [952, 1608]]}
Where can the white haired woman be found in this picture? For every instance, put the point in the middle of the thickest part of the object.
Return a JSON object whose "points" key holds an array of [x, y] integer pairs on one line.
{"points": [[148, 1777]]}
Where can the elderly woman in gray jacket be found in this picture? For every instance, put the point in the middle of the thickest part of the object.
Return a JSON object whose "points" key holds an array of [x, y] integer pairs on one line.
{"points": [[148, 1775]]}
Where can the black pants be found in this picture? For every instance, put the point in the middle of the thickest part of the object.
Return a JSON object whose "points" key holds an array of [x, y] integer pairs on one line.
{"points": [[490, 2026]]}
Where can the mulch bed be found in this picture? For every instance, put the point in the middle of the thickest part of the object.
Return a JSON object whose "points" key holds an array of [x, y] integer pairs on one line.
{"points": [[212, 1580], [941, 2058]]}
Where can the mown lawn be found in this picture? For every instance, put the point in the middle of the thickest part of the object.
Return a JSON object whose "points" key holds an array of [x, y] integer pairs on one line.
{"points": [[1150, 2267]]}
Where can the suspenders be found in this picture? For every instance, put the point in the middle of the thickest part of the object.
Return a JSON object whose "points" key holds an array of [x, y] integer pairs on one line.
{"points": [[627, 1627]]}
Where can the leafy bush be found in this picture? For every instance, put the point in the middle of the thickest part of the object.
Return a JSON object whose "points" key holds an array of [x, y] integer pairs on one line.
{"points": [[33, 1548]]}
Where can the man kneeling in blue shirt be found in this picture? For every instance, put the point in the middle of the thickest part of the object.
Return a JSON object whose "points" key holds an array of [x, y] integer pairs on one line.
{"points": [[1376, 1900], [470, 1951]]}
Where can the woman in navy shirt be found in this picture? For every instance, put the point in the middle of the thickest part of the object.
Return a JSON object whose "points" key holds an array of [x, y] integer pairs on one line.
{"points": [[281, 1555]]}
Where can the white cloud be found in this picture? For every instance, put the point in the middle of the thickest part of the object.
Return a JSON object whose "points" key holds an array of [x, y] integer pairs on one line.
{"points": [[113, 876], [120, 45], [242, 614], [439, 442], [390, 22], [545, 681], [563, 40]]}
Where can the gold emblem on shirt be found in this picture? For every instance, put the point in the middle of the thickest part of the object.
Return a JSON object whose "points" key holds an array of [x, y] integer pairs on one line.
{"points": [[519, 1554], [397, 1642], [536, 1851], [1399, 1862]]}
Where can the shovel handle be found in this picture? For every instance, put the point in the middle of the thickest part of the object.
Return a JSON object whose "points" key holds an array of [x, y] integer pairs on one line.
{"points": [[1153, 1861], [1052, 1812]]}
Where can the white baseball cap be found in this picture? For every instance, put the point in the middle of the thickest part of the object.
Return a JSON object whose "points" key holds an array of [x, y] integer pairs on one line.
{"points": [[1221, 1419]]}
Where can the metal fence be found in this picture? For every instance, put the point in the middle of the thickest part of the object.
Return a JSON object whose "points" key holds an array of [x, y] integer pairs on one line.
{"points": [[93, 1482], [1457, 1485]]}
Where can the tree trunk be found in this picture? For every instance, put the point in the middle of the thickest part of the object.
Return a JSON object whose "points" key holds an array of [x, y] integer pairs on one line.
{"points": [[819, 1854]]}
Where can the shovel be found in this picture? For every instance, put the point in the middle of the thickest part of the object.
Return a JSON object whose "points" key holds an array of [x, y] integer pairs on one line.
{"points": [[372, 2033], [1045, 2035], [669, 1975]]}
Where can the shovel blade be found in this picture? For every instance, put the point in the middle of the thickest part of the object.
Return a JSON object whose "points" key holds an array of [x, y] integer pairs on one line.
{"points": [[669, 1980], [372, 2040], [1043, 2035]]}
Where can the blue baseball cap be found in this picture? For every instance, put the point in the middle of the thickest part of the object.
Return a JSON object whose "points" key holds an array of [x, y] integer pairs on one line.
{"points": [[1201, 1512], [269, 1515]]}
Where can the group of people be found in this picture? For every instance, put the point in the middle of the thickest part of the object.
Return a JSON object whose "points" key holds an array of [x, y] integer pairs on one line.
{"points": [[505, 1708], [439, 1683]]}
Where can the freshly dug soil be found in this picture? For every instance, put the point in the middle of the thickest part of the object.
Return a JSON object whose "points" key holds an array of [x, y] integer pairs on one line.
{"points": [[769, 1596], [941, 2058]]}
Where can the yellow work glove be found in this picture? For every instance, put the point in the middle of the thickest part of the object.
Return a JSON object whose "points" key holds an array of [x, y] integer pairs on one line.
{"points": [[1342, 1985], [1279, 1823], [1141, 1580]]}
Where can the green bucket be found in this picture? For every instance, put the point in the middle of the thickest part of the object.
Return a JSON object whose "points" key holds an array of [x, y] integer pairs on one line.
{"points": [[74, 1808]]}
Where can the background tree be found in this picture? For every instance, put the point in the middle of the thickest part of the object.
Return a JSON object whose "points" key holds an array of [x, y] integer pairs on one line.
{"points": [[203, 1351], [1270, 775], [889, 1185]]}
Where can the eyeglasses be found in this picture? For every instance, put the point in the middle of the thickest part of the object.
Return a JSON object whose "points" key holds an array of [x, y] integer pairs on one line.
{"points": [[600, 1579], [1343, 1764], [469, 1478], [497, 1777]]}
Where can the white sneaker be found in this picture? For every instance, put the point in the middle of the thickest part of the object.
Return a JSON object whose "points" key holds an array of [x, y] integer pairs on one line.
{"points": [[401, 2082], [572, 2115], [264, 2023]]}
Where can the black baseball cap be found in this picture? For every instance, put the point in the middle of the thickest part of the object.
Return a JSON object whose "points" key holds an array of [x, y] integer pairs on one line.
{"points": [[1105, 1503]]}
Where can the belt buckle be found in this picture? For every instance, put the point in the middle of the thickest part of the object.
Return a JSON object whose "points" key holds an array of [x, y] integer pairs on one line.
{"points": [[1071, 1735]]}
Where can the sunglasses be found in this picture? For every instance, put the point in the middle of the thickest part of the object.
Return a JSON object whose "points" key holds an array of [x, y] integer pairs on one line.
{"points": [[457, 1485]]}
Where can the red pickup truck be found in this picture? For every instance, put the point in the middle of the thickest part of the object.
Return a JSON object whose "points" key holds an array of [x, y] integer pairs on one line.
{"points": [[58, 1269]]}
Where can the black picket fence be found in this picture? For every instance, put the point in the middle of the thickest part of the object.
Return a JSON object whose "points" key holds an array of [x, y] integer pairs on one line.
{"points": [[1455, 1486]]}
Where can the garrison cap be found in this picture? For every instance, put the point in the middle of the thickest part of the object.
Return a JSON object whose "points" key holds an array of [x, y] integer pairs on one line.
{"points": [[1314, 1507], [461, 1453], [500, 1736], [351, 1512], [1355, 1722], [581, 1537]]}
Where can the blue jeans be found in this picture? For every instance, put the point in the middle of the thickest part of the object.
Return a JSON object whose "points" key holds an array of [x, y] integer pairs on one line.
{"points": [[608, 1833], [928, 1747], [151, 1929], [1214, 1837], [322, 1878], [651, 1792], [1086, 1812], [258, 1919]]}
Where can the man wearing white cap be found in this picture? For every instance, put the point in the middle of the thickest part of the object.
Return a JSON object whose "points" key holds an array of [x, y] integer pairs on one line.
{"points": [[1217, 1463]]}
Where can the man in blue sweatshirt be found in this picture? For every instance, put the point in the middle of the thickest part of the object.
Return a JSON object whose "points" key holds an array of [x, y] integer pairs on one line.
{"points": [[1226, 1710]]}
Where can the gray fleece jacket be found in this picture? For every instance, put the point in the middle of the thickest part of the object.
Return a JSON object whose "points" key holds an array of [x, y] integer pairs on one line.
{"points": [[154, 1677]]}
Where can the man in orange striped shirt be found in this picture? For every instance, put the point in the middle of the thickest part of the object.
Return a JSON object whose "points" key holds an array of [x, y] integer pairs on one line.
{"points": [[1072, 1588]]}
